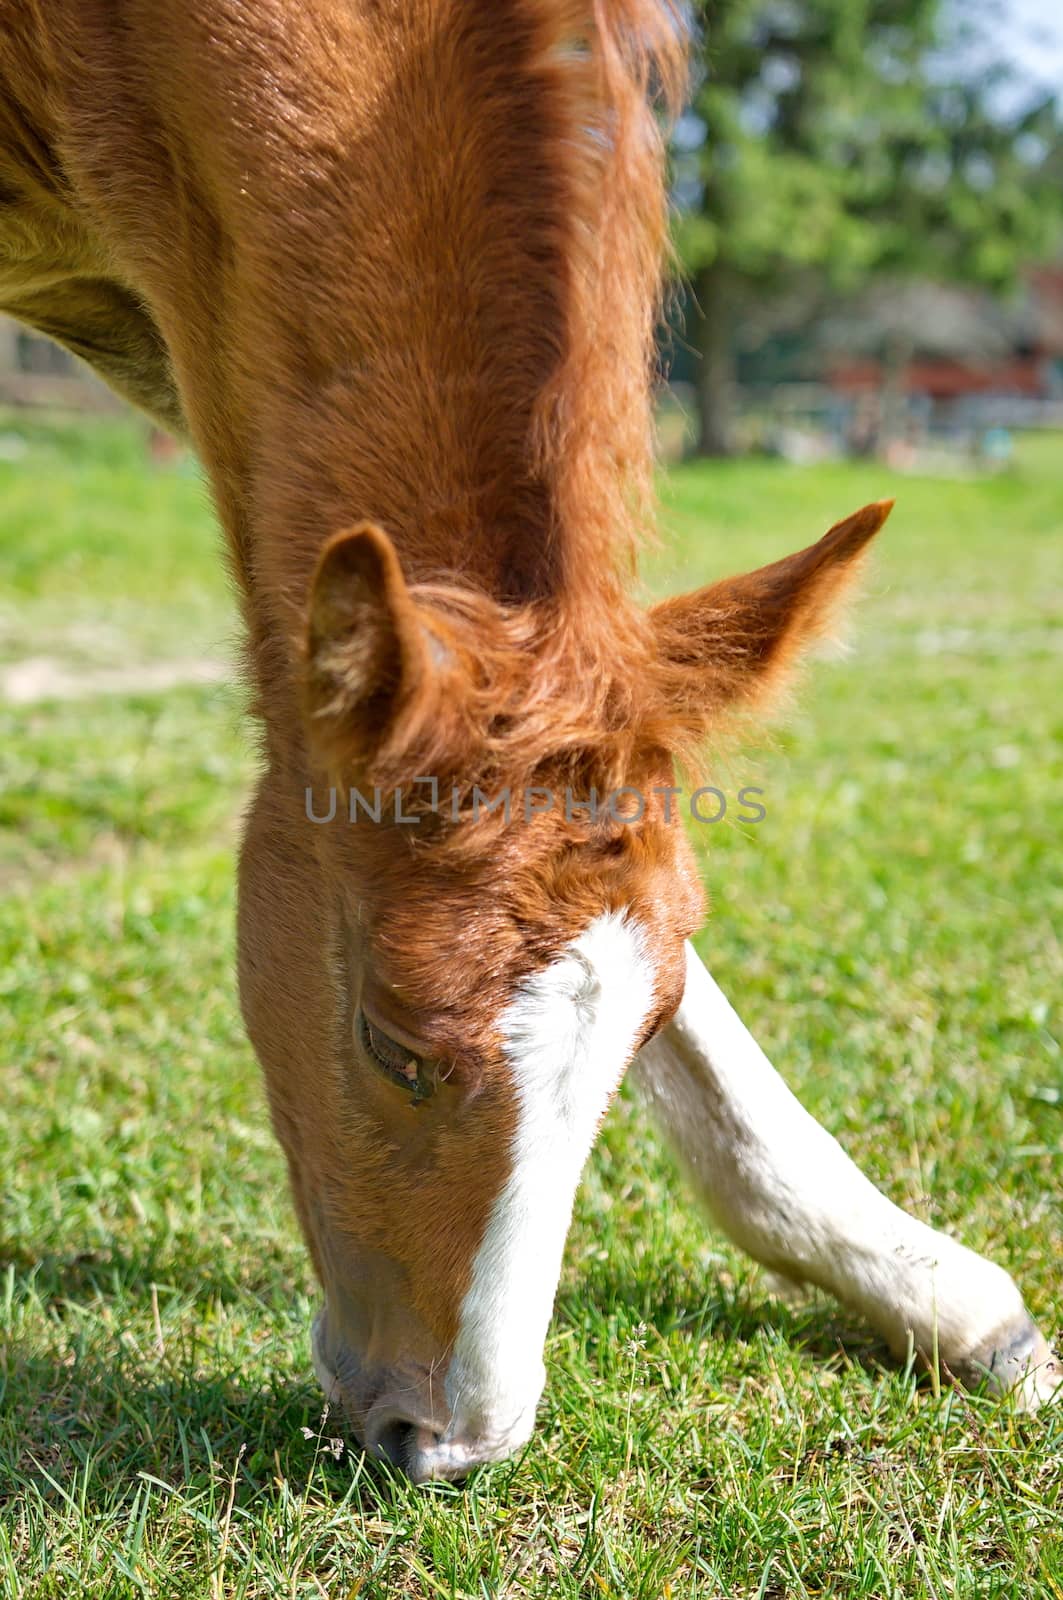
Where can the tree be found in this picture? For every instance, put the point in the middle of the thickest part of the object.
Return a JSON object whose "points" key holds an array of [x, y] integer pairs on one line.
{"points": [[843, 139]]}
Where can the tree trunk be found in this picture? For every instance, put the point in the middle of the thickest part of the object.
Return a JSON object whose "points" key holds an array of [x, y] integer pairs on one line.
{"points": [[900, 347], [711, 337]]}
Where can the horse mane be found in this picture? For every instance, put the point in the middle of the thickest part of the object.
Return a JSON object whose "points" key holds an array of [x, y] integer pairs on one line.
{"points": [[556, 161], [602, 66]]}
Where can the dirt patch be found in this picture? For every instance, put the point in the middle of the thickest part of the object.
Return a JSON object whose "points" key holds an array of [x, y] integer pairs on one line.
{"points": [[40, 678]]}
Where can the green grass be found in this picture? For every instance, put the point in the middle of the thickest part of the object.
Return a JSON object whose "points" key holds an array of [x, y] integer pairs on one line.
{"points": [[890, 932], [103, 556]]}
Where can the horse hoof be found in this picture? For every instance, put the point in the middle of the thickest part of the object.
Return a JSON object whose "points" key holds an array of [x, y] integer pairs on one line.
{"points": [[1018, 1362]]}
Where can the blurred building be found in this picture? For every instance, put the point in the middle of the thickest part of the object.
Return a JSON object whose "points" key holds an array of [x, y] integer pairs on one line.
{"points": [[949, 344], [37, 373], [904, 360]]}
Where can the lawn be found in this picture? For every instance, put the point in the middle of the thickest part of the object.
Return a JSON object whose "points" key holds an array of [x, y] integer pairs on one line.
{"points": [[890, 932]]}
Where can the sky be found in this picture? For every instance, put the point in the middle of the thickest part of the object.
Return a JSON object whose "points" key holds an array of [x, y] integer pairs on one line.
{"points": [[1030, 34]]}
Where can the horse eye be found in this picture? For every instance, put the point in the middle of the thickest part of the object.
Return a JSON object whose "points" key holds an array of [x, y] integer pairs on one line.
{"points": [[396, 1060]]}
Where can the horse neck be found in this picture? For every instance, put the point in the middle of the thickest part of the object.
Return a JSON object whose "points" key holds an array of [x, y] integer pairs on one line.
{"points": [[403, 272]]}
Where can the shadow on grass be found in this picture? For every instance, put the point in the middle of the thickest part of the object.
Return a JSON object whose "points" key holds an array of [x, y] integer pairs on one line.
{"points": [[112, 1403], [111, 1409], [93, 1276], [669, 1300], [93, 1427]]}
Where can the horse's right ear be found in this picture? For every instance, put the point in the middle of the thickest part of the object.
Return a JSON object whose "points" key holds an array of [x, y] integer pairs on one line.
{"points": [[368, 661], [733, 642]]}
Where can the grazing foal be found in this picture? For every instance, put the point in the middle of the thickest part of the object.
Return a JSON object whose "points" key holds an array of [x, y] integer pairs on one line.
{"points": [[392, 266]]}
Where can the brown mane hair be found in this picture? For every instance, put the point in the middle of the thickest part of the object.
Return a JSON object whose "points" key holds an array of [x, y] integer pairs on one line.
{"points": [[604, 64], [519, 574]]}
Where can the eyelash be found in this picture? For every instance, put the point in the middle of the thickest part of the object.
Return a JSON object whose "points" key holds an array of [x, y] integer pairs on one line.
{"points": [[369, 1035]]}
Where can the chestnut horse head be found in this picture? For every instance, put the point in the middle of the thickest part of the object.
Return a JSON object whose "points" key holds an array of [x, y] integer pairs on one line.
{"points": [[393, 266], [486, 925]]}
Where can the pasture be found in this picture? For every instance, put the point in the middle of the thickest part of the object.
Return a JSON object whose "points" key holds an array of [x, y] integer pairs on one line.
{"points": [[890, 933]]}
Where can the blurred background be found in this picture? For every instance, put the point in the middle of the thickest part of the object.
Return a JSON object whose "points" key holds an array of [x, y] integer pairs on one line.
{"points": [[870, 197]]}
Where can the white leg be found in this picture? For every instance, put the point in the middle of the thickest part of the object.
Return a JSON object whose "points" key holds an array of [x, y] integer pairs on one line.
{"points": [[784, 1190]]}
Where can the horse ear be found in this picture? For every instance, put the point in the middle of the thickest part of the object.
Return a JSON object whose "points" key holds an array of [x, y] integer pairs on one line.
{"points": [[367, 653], [733, 642]]}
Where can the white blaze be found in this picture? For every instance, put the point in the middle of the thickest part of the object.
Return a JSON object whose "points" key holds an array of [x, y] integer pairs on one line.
{"points": [[568, 1035]]}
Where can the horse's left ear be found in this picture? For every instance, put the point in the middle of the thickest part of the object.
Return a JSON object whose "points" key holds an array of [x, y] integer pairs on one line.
{"points": [[368, 660], [732, 642]]}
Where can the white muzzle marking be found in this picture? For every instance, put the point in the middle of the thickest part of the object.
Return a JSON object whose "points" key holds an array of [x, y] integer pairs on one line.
{"points": [[569, 1035]]}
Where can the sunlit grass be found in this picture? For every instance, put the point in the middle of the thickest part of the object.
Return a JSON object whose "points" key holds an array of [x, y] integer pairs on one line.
{"points": [[890, 932]]}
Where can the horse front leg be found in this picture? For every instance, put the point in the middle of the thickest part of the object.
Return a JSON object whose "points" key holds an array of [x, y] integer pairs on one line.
{"points": [[782, 1188]]}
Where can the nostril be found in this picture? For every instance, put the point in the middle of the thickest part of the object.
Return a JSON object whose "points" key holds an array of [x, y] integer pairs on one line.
{"points": [[396, 1437], [395, 1442]]}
